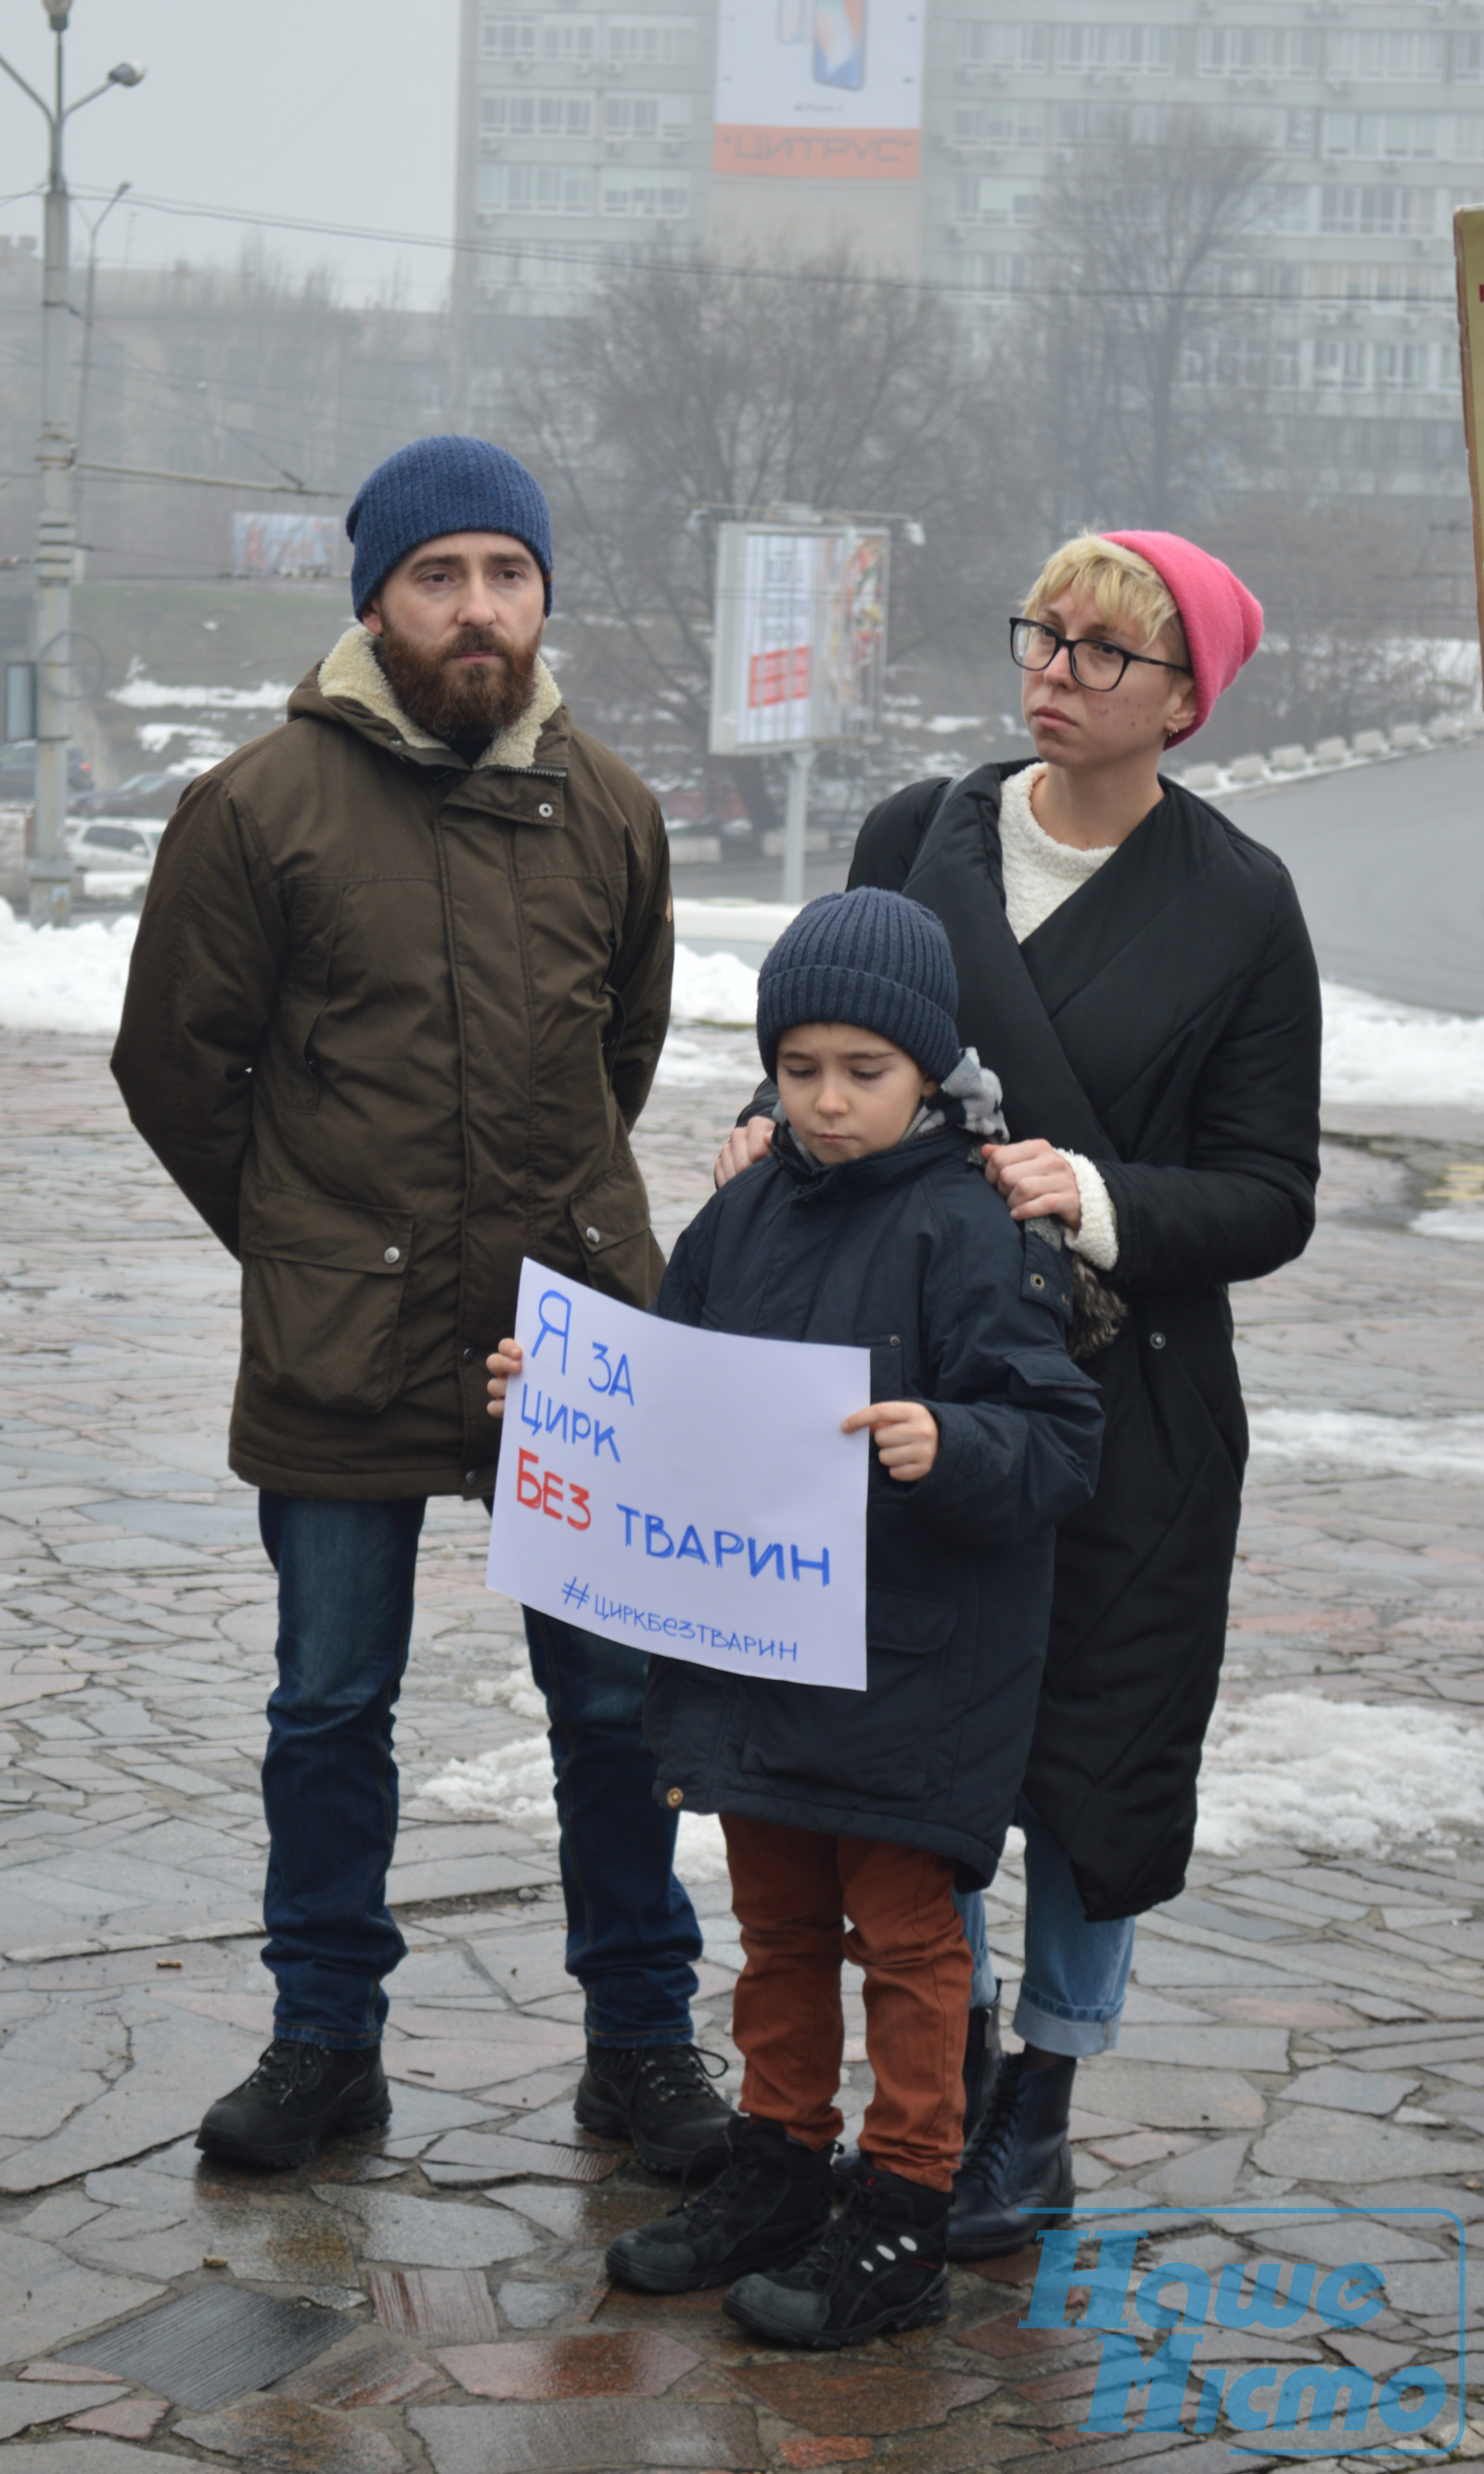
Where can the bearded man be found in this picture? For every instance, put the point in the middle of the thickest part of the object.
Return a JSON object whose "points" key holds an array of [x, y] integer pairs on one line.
{"points": [[399, 991]]}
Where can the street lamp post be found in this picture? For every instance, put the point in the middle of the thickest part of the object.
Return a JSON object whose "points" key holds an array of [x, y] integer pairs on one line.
{"points": [[49, 868]]}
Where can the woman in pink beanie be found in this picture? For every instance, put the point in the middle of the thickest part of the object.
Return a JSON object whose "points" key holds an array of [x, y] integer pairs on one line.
{"points": [[1139, 974]]}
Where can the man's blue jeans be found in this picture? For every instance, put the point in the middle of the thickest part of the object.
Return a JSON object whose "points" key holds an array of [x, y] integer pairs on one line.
{"points": [[345, 1573], [1076, 1975]]}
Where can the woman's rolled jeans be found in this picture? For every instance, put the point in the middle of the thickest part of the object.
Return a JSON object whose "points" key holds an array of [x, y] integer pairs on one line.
{"points": [[1076, 1974]]}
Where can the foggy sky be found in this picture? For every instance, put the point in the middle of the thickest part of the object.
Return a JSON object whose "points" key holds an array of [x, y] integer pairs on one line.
{"points": [[339, 110]]}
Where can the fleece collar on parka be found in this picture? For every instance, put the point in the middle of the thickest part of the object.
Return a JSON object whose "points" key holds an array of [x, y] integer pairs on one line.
{"points": [[352, 678]]}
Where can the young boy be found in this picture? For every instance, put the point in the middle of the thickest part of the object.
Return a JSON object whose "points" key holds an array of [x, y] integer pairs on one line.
{"points": [[871, 1223]]}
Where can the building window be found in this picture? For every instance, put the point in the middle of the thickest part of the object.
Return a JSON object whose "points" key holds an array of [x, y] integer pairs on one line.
{"points": [[1397, 213], [651, 42], [1340, 364], [1257, 51], [1468, 61], [509, 39], [1134, 50], [1280, 206], [1391, 137], [647, 197], [647, 115], [1105, 124], [528, 114], [534, 190], [999, 124], [1389, 59], [980, 44], [1402, 364], [1467, 144], [996, 271]]}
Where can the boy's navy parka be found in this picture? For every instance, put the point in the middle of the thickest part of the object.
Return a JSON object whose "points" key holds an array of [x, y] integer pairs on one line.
{"points": [[911, 1253]]}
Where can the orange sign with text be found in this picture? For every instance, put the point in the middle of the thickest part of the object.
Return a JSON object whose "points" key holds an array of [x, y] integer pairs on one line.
{"points": [[817, 154]]}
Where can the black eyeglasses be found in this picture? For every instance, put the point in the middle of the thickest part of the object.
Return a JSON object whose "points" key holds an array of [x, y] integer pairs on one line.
{"points": [[1094, 663]]}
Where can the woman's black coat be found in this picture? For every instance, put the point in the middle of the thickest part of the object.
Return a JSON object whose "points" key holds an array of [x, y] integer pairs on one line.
{"points": [[1164, 1022], [907, 1253]]}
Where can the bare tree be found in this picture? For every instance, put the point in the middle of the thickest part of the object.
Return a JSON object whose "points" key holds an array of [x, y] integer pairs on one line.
{"points": [[1142, 342], [696, 391]]}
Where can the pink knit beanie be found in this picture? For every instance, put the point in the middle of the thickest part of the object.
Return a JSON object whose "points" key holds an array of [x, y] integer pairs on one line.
{"points": [[1223, 622]]}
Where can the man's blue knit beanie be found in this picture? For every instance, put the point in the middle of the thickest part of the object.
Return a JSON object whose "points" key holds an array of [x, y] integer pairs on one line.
{"points": [[443, 485], [866, 957]]}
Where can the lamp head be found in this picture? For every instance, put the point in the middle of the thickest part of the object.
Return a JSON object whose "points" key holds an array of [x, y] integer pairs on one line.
{"points": [[127, 73], [59, 12]]}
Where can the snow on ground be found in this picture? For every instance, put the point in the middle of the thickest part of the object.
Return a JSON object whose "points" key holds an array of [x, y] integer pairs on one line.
{"points": [[63, 979], [147, 694], [1318, 1440], [714, 987], [513, 1782], [1338, 1778], [1376, 1052]]}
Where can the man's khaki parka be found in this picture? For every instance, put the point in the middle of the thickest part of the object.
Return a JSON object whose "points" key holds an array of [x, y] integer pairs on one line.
{"points": [[389, 1023]]}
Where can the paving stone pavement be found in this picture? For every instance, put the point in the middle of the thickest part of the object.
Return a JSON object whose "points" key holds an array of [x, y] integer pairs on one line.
{"points": [[1303, 2032]]}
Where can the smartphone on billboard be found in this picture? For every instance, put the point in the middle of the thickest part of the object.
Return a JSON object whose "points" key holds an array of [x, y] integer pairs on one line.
{"points": [[840, 44], [794, 22]]}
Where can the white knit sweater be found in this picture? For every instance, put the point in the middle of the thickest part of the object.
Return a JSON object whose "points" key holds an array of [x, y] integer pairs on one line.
{"points": [[1039, 873]]}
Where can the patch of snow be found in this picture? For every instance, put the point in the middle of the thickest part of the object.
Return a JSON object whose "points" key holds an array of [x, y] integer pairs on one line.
{"points": [[207, 746], [1337, 1778], [1350, 1438], [685, 1060], [1380, 1052], [1465, 1227], [63, 979], [146, 694], [515, 1690], [513, 1782], [714, 987], [943, 725]]}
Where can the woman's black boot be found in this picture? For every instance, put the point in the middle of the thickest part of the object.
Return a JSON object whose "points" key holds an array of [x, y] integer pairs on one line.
{"points": [[1016, 2175]]}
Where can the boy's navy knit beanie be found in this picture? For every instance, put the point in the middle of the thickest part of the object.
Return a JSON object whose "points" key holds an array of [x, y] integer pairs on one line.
{"points": [[868, 957], [443, 485]]}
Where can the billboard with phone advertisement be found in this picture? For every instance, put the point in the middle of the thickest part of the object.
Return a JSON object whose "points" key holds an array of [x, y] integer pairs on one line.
{"points": [[819, 89]]}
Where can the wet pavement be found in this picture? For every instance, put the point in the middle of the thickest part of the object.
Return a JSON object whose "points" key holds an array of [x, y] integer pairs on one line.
{"points": [[1306, 2033]]}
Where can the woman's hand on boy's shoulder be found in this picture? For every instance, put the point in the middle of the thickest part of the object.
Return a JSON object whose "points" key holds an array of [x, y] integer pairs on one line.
{"points": [[742, 1149], [501, 1369], [907, 1436], [1037, 1182]]}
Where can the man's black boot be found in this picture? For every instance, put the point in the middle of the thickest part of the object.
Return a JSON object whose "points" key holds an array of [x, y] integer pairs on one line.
{"points": [[297, 2096], [661, 2097], [880, 2266], [767, 2206], [1017, 2178], [982, 2057]]}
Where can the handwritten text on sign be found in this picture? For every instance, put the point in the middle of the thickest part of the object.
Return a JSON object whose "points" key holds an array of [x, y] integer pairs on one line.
{"points": [[686, 1491]]}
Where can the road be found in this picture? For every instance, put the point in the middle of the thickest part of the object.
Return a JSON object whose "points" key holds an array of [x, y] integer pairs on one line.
{"points": [[1389, 861]]}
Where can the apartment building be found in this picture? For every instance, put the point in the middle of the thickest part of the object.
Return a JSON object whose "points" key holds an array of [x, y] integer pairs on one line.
{"points": [[588, 131], [1372, 112], [585, 134]]}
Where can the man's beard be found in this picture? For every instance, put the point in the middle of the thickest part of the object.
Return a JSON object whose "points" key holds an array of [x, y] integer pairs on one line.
{"points": [[473, 701]]}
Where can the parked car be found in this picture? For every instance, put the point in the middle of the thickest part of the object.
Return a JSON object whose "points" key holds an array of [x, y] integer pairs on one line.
{"points": [[143, 794], [107, 846], [18, 773]]}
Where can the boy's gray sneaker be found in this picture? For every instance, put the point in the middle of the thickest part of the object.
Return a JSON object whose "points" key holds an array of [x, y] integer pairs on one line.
{"points": [[661, 2097], [767, 2207], [297, 2096]]}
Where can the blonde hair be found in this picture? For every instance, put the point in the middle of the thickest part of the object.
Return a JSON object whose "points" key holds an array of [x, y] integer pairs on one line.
{"points": [[1126, 591]]}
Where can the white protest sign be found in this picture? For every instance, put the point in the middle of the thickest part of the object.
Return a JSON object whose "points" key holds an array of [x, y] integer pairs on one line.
{"points": [[686, 1491]]}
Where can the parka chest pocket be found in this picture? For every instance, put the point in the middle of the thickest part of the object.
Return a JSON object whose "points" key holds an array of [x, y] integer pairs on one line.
{"points": [[322, 1290]]}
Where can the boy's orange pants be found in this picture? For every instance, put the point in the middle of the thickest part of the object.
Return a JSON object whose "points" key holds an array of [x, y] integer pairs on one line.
{"points": [[793, 1892]]}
